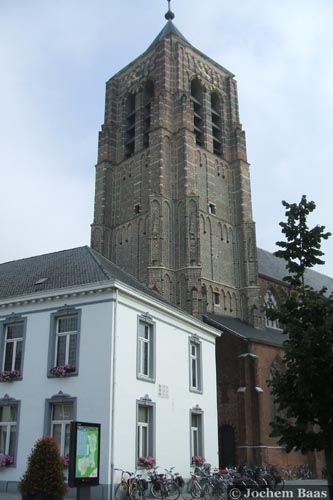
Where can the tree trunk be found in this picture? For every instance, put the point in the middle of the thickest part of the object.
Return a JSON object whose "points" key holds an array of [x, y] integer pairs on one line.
{"points": [[329, 468]]}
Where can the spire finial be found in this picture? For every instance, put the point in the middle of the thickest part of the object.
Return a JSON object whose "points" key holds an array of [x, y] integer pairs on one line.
{"points": [[169, 15]]}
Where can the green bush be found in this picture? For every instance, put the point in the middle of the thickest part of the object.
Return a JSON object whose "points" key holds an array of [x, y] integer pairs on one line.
{"points": [[45, 471]]}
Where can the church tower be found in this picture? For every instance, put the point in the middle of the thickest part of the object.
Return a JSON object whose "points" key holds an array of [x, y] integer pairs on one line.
{"points": [[173, 197]]}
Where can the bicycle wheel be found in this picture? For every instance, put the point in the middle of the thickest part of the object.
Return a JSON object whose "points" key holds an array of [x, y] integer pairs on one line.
{"points": [[155, 489], [219, 489], [194, 489], [200, 489], [172, 489], [135, 491], [121, 491]]}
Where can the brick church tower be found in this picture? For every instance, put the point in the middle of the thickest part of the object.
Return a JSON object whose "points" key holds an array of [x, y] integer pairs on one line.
{"points": [[173, 196]]}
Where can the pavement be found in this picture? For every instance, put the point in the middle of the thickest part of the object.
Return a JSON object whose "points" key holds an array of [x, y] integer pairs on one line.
{"points": [[298, 489]]}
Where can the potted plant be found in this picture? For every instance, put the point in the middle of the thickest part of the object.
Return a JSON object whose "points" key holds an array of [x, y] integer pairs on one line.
{"points": [[9, 375], [198, 460], [5, 460], [62, 370], [44, 477], [147, 462]]}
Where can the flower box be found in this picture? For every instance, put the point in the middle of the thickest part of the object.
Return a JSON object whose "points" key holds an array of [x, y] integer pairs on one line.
{"points": [[146, 462], [6, 460], [198, 460], [62, 370], [9, 375]]}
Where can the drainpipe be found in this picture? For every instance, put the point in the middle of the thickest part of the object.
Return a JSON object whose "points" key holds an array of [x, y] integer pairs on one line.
{"points": [[111, 489]]}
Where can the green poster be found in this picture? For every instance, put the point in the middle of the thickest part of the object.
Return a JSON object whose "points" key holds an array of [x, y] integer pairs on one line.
{"points": [[86, 461]]}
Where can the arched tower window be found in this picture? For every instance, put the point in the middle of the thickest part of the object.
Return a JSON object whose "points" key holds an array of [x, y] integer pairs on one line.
{"points": [[148, 94], [270, 303], [130, 126], [196, 98], [216, 124]]}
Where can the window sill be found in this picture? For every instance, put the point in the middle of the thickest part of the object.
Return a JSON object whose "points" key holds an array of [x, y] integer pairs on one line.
{"points": [[197, 391], [62, 371], [146, 379], [67, 375]]}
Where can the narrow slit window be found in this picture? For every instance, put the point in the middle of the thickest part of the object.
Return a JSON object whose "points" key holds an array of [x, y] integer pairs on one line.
{"points": [[196, 98], [216, 124], [148, 95], [130, 126]]}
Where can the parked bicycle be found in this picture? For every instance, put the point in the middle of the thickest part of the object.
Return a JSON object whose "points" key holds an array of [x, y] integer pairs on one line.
{"points": [[203, 484], [164, 485], [132, 485]]}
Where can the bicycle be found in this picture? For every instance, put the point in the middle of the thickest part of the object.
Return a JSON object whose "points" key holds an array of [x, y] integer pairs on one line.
{"points": [[137, 487], [131, 485], [204, 484], [122, 488], [163, 487]]}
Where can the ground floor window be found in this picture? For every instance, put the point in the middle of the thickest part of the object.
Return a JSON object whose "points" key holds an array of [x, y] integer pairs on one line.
{"points": [[196, 435], [145, 436], [8, 427]]}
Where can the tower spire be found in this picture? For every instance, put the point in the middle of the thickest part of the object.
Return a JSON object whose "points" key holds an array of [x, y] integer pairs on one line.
{"points": [[169, 15]]}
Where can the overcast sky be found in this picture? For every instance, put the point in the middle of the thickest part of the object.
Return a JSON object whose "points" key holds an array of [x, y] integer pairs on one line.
{"points": [[56, 56]]}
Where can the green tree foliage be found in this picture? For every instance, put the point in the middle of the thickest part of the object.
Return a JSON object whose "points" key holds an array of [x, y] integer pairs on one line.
{"points": [[45, 471], [303, 389]]}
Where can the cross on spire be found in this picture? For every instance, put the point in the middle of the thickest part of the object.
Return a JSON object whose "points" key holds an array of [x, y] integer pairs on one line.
{"points": [[169, 15]]}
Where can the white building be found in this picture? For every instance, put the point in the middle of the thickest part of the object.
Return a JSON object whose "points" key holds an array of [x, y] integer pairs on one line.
{"points": [[143, 369]]}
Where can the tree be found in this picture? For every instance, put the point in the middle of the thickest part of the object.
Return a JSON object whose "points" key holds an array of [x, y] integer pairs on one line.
{"points": [[303, 389], [44, 476]]}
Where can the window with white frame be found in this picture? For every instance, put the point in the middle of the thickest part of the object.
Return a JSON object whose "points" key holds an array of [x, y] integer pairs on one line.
{"points": [[61, 418], [60, 412], [195, 365], [64, 342], [196, 422], [146, 349], [145, 429], [9, 411], [11, 348]]}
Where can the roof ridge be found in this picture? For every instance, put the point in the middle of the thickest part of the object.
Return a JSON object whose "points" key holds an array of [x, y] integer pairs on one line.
{"points": [[91, 252]]}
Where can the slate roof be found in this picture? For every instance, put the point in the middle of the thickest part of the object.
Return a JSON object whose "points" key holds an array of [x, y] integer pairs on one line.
{"points": [[67, 268], [273, 267], [269, 336], [169, 28]]}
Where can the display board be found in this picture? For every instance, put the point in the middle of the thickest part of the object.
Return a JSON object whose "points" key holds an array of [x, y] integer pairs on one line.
{"points": [[84, 455]]}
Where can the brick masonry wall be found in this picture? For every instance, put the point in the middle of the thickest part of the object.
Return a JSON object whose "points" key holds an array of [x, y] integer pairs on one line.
{"points": [[152, 209]]}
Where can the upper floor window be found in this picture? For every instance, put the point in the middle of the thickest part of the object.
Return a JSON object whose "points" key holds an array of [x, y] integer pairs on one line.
{"points": [[12, 342], [148, 94], [130, 126], [146, 349], [195, 365], [196, 98], [216, 298], [270, 303], [9, 413], [212, 209], [64, 344], [216, 124]]}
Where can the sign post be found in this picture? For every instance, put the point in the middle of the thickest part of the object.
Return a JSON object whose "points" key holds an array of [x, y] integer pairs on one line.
{"points": [[84, 457]]}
